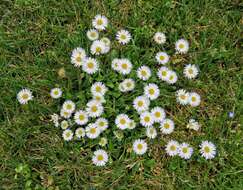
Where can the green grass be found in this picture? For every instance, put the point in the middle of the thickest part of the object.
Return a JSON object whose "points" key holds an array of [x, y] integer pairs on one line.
{"points": [[36, 38]]}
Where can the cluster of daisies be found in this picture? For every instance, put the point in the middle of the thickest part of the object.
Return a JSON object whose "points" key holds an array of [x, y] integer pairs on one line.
{"points": [[89, 122]]}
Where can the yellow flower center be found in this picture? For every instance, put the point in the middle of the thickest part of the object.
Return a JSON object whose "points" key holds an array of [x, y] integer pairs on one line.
{"points": [[140, 146], [100, 157], [123, 37], [157, 114], [98, 89], [151, 91], [98, 49], [167, 126], [171, 77], [101, 124], [68, 134], [140, 103], [143, 73], [206, 149], [56, 92], [78, 59], [181, 46], [129, 84], [190, 71], [122, 121], [94, 108], [194, 99], [81, 117], [164, 73], [172, 148], [183, 97], [124, 66], [69, 107], [162, 57], [147, 119], [92, 130], [99, 22], [25, 96], [93, 34], [90, 65], [185, 150]]}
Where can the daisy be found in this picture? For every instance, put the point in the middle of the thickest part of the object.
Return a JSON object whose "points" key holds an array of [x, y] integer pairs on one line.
{"points": [[90, 65], [115, 64], [103, 141], [107, 44], [163, 73], [128, 85], [122, 121], [172, 148], [65, 114], [56, 93], [92, 131], [158, 114], [94, 108], [78, 56], [182, 97], [100, 22], [102, 124], [159, 38], [182, 46], [146, 119], [92, 34], [123, 36], [207, 149], [98, 47], [81, 117], [98, 88], [151, 91], [144, 72], [125, 66], [162, 58], [100, 158], [140, 146], [80, 132], [64, 124], [68, 106], [194, 99], [172, 77], [185, 151], [141, 103], [54, 119], [151, 132], [193, 125], [99, 98], [191, 71], [167, 126], [24, 96], [67, 135], [132, 124], [121, 87]]}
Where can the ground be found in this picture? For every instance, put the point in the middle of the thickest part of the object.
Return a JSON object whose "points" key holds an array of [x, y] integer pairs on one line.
{"points": [[36, 38]]}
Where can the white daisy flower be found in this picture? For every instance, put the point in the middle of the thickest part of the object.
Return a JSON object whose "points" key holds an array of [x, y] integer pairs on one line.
{"points": [[54, 119], [92, 34], [123, 36], [185, 151], [102, 124], [162, 58], [24, 96], [125, 66], [64, 124], [100, 22], [115, 64], [67, 135], [151, 91], [208, 150], [132, 124], [194, 99], [158, 114], [69, 106], [103, 141], [151, 132], [122, 121], [107, 44], [146, 119], [78, 56], [141, 103], [100, 158], [163, 73], [182, 97], [98, 88], [65, 114], [127, 85], [56, 93], [94, 108], [90, 65], [172, 148], [167, 126], [144, 72], [81, 117], [193, 125], [80, 132], [191, 71], [99, 98], [140, 146], [172, 77], [159, 38], [182, 46], [92, 131], [98, 47]]}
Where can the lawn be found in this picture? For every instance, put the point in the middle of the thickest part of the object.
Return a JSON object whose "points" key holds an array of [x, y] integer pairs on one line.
{"points": [[36, 40]]}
